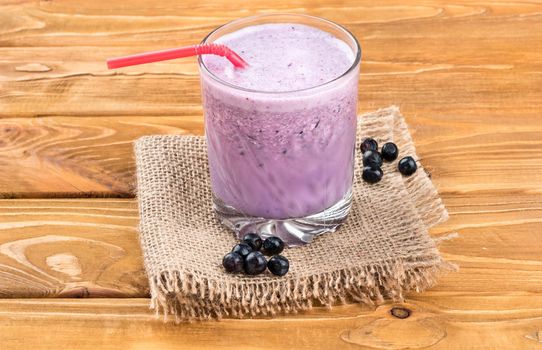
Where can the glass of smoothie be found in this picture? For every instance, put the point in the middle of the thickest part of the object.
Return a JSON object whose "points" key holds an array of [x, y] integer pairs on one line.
{"points": [[281, 133]]}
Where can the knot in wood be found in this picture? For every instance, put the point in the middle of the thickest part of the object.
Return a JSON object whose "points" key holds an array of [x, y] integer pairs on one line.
{"points": [[400, 312]]}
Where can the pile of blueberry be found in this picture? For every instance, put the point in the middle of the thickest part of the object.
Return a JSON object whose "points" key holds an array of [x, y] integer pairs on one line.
{"points": [[372, 160], [248, 256]]}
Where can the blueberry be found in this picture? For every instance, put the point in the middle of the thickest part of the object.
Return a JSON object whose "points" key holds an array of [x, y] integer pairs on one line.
{"points": [[255, 263], [407, 166], [253, 240], [372, 158], [242, 249], [390, 151], [272, 246], [233, 262], [372, 174], [278, 265], [368, 145]]}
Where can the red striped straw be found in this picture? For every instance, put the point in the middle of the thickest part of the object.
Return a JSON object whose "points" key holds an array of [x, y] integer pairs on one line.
{"points": [[169, 54]]}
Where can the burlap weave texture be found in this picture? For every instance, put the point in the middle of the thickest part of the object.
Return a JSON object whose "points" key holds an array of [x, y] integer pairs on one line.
{"points": [[382, 250]]}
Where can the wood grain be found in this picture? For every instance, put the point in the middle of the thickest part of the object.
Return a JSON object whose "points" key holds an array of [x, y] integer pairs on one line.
{"points": [[467, 75], [76, 157], [435, 58], [53, 247], [86, 156], [473, 323], [76, 248]]}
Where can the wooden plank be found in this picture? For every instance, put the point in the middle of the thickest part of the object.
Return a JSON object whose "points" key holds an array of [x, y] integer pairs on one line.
{"points": [[75, 248], [447, 58], [436, 322], [75, 157], [89, 247], [86, 156]]}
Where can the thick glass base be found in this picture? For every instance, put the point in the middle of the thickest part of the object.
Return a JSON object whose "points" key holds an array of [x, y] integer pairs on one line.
{"points": [[293, 231]]}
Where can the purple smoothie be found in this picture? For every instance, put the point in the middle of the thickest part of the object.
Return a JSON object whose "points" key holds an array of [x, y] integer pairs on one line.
{"points": [[280, 140]]}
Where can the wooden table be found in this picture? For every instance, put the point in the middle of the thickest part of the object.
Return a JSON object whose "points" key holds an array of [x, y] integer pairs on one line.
{"points": [[467, 75]]}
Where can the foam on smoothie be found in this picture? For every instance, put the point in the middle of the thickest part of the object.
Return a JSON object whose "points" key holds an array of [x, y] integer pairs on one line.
{"points": [[282, 57]]}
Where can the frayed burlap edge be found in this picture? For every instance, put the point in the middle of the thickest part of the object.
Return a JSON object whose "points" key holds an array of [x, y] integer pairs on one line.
{"points": [[179, 295]]}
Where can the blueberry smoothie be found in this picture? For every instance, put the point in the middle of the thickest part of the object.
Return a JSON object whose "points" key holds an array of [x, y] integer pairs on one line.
{"points": [[281, 133]]}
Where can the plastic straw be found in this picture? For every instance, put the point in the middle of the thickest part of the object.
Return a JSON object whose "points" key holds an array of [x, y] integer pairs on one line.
{"points": [[169, 54]]}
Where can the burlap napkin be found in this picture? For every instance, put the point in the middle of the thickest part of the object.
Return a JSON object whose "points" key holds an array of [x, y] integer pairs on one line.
{"points": [[381, 251]]}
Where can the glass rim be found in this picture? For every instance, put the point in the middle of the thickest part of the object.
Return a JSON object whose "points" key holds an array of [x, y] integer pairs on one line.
{"points": [[356, 62]]}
